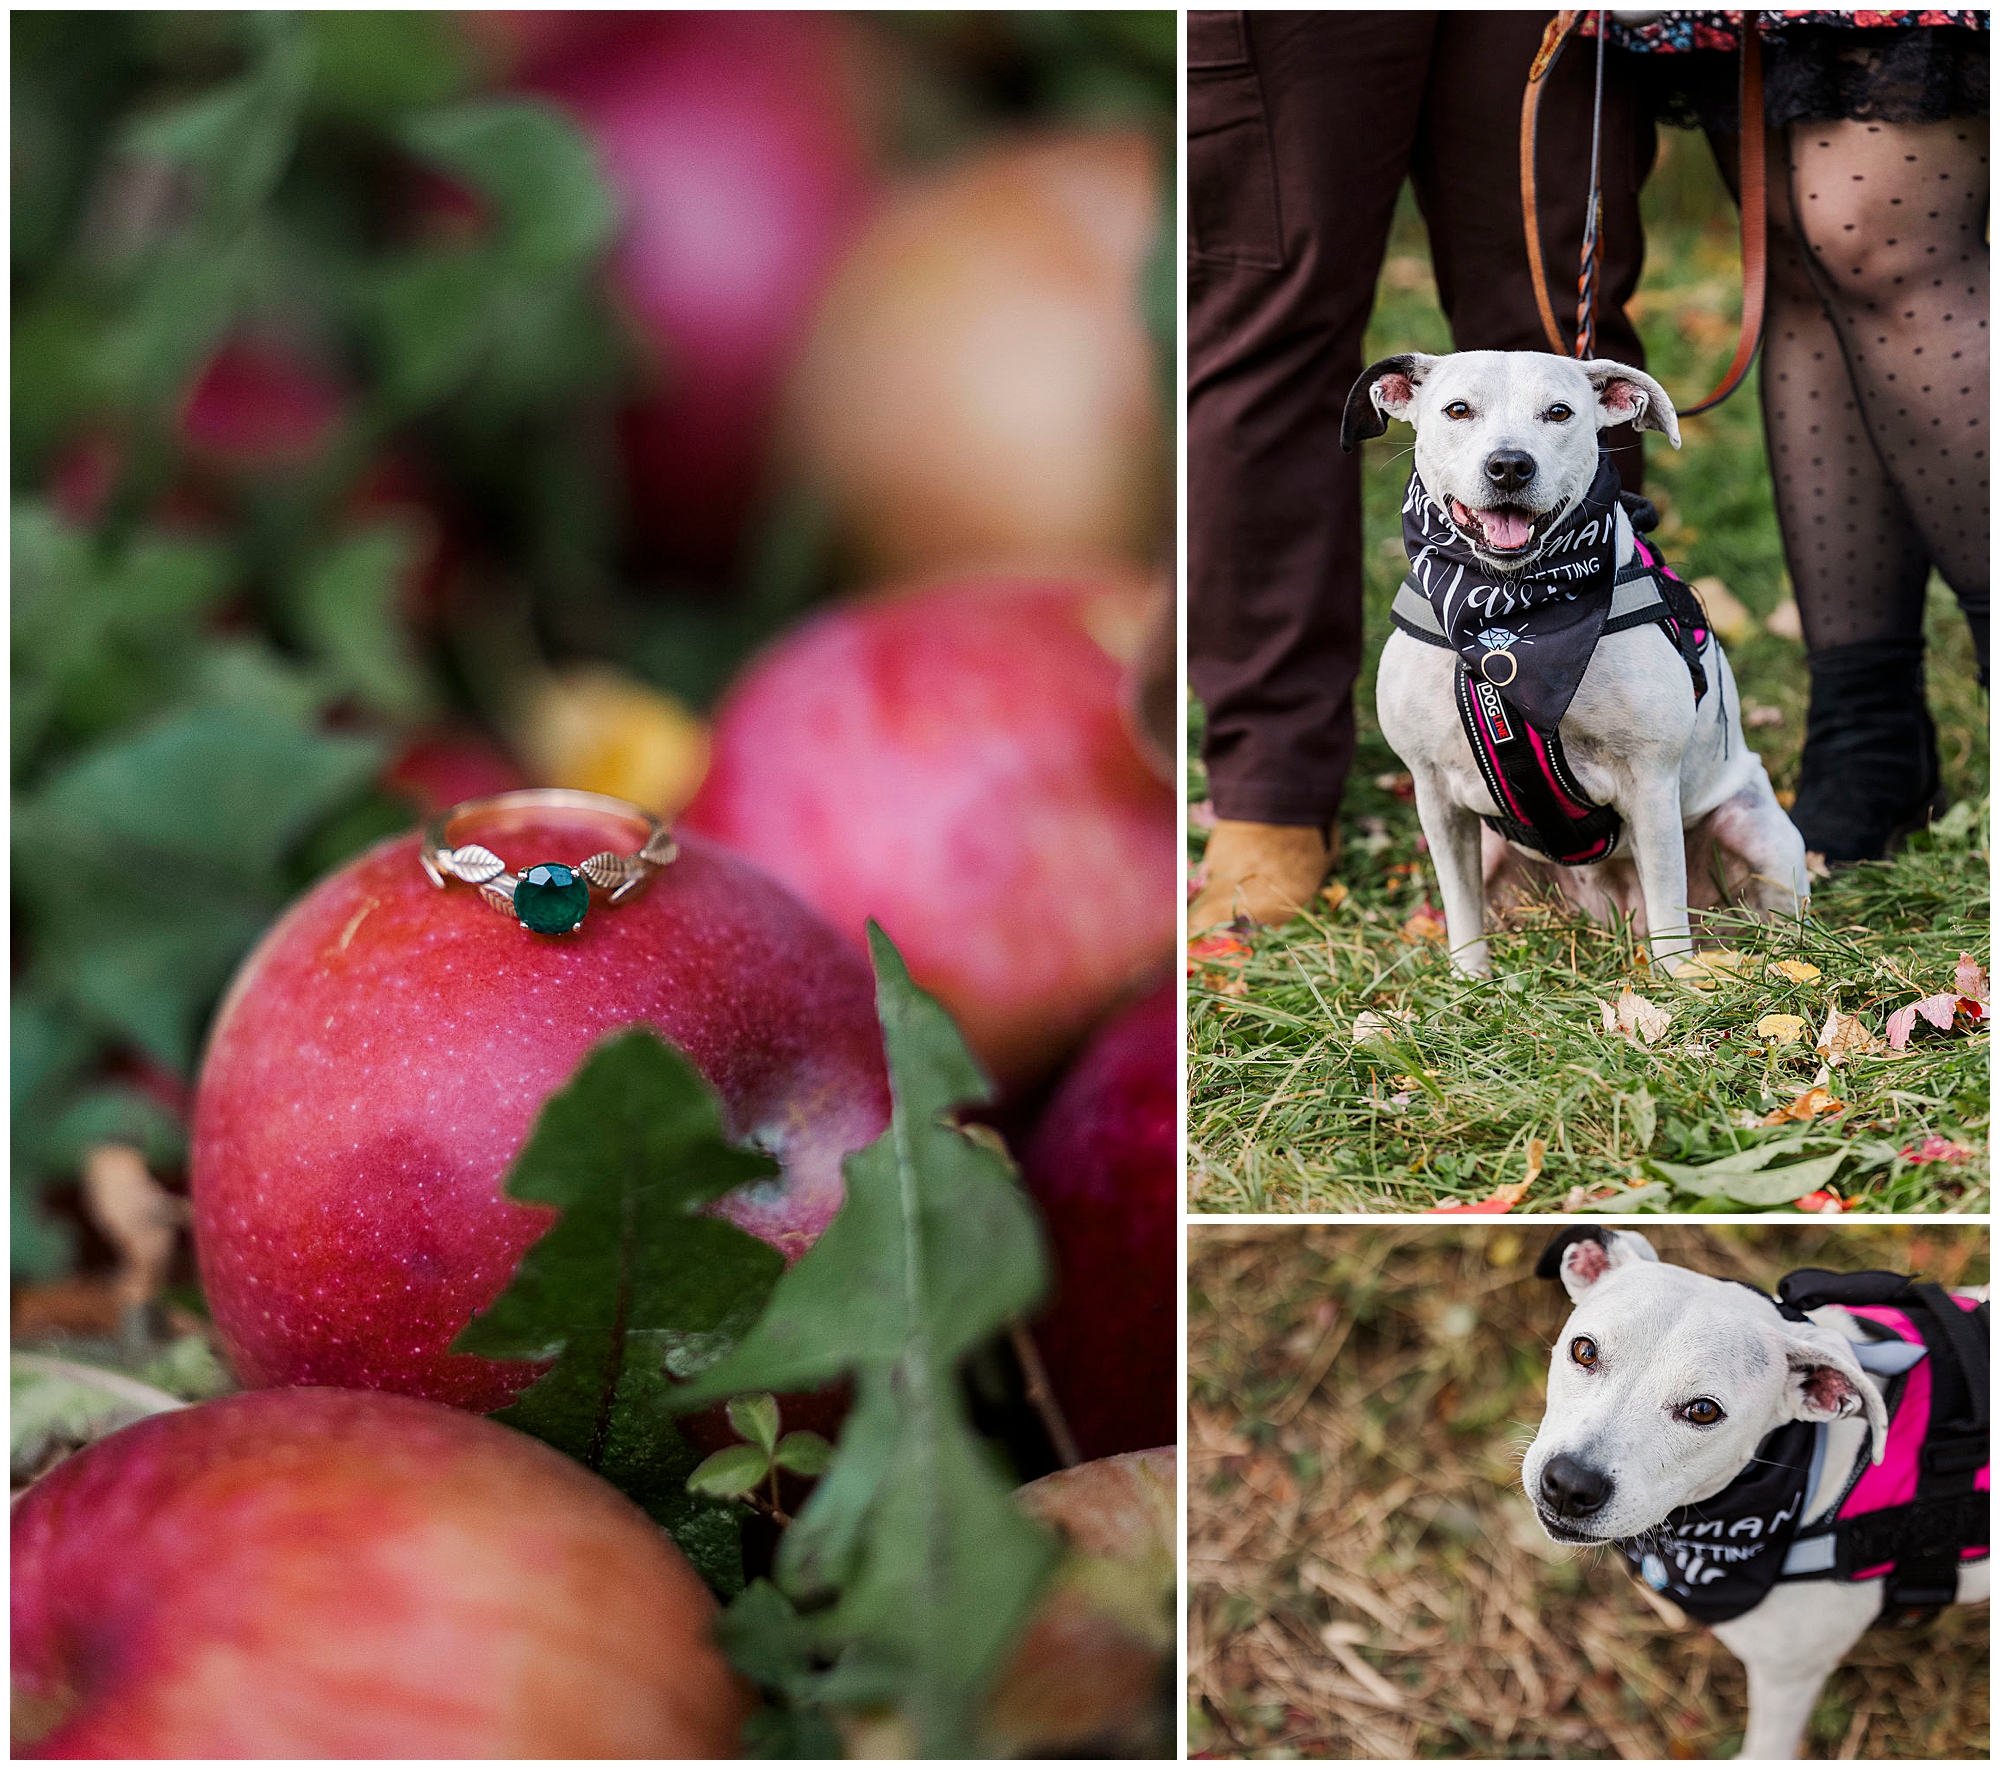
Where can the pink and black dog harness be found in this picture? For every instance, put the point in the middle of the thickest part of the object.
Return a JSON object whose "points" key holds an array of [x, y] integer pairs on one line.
{"points": [[1523, 642], [1910, 1520]]}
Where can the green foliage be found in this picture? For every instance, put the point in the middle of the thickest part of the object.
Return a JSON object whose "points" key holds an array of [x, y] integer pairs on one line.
{"points": [[632, 1280], [910, 1570]]}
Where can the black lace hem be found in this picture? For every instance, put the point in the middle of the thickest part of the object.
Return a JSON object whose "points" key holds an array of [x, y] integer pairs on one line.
{"points": [[1818, 73]]}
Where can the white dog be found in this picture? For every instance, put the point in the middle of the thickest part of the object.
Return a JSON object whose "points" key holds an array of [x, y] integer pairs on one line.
{"points": [[1669, 1433], [1507, 467]]}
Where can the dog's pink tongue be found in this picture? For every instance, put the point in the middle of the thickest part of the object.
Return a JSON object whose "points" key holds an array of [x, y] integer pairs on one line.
{"points": [[1506, 529]]}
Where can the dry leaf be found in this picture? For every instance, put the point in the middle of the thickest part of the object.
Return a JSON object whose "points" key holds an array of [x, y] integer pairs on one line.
{"points": [[1816, 867], [1808, 1105], [1634, 1014], [1726, 614], [1699, 969], [1938, 1010], [1537, 1151], [138, 1215], [1333, 894], [1371, 1023], [1797, 970], [1424, 924], [1970, 979], [1784, 621], [1781, 1029], [1846, 1035]]}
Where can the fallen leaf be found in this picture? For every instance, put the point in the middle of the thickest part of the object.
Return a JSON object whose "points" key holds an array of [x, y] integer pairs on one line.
{"points": [[1755, 715], [139, 1217], [1726, 614], [1970, 979], [1215, 962], [1936, 1149], [1333, 894], [1806, 1107], [1634, 1014], [1739, 1177], [1825, 1203], [1698, 969], [1425, 924], [1846, 1035], [1371, 1023], [1784, 621], [1400, 785], [1538, 1150], [1781, 1029], [1816, 867], [1938, 1010], [1496, 1203], [1797, 970]]}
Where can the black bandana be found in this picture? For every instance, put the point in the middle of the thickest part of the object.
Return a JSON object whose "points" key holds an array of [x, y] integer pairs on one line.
{"points": [[1529, 633], [1718, 1558]]}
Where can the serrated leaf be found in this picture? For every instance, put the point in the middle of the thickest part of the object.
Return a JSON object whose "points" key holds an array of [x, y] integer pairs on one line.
{"points": [[629, 1150], [755, 1418], [731, 1473], [913, 1530], [803, 1453]]}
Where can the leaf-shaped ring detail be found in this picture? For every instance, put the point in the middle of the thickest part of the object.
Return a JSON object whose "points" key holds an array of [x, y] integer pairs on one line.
{"points": [[617, 876]]}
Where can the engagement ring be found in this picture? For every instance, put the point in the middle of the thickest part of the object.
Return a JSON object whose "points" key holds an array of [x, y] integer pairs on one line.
{"points": [[550, 897]]}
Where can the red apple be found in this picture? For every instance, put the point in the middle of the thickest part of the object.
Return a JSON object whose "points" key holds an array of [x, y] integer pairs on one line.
{"points": [[314, 1573], [1091, 1673], [742, 174], [952, 762], [384, 1051], [979, 387], [1101, 1165]]}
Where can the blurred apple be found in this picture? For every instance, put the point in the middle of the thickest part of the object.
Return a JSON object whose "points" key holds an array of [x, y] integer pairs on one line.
{"points": [[594, 727], [979, 387], [384, 1051], [953, 763], [732, 143], [313, 1573], [1101, 1164], [1095, 1668]]}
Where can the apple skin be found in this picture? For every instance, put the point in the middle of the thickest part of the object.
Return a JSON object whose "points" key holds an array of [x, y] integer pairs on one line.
{"points": [[1101, 1164], [952, 762], [978, 386], [382, 1054], [742, 172], [317, 1573]]}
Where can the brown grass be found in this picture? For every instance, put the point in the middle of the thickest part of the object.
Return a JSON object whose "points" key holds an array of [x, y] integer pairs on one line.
{"points": [[1364, 1577]]}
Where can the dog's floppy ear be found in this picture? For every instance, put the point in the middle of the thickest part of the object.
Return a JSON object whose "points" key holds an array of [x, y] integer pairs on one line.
{"points": [[1386, 390], [1581, 1256], [1823, 1381], [1627, 394]]}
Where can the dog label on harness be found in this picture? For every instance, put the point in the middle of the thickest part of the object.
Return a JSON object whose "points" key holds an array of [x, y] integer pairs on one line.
{"points": [[1495, 711]]}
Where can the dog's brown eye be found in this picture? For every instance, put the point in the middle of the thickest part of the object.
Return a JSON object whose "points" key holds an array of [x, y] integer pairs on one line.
{"points": [[1701, 1412], [1458, 409], [1556, 414], [1584, 1351]]}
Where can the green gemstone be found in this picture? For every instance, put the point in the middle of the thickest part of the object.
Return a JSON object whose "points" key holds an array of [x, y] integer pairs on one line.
{"points": [[551, 899]]}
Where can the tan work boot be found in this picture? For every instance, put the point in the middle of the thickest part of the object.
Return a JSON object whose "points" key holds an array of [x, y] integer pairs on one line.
{"points": [[1267, 872]]}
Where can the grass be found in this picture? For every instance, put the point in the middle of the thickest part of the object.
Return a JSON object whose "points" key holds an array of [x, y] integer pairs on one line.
{"points": [[1364, 1578], [1289, 1113]]}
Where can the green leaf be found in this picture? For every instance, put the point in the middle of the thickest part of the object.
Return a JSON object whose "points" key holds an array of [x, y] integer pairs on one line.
{"points": [[803, 1453], [350, 606], [913, 1532], [239, 138], [755, 1418], [1638, 1198], [555, 210], [629, 1151], [1749, 1186], [731, 1472], [114, 1114]]}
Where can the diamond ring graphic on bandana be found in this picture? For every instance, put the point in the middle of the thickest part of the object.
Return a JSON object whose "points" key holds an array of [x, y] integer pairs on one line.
{"points": [[1500, 643]]}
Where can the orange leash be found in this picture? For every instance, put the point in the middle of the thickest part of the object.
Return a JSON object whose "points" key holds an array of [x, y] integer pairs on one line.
{"points": [[1751, 202]]}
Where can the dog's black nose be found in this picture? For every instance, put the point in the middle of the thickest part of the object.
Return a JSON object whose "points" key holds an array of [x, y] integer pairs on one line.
{"points": [[1509, 470], [1570, 1490]]}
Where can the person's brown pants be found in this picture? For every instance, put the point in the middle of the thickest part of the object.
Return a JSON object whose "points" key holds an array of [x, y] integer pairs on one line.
{"points": [[1301, 129]]}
